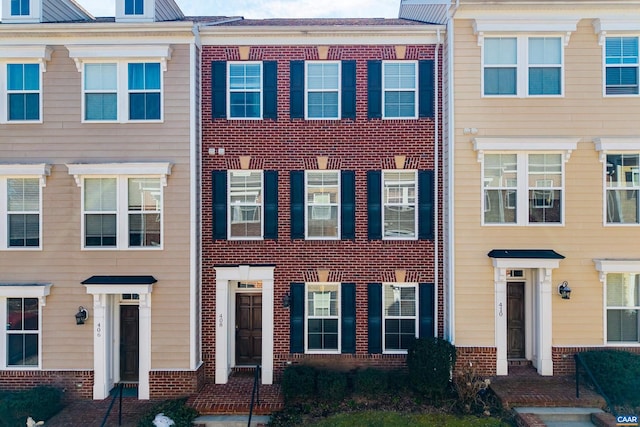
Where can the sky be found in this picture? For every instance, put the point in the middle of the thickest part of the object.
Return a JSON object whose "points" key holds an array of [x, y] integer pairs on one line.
{"points": [[270, 8]]}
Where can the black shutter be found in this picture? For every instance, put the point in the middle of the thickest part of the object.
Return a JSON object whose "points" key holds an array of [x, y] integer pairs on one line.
{"points": [[296, 90], [426, 310], [349, 90], [374, 311], [219, 89], [219, 202], [297, 204], [270, 90], [374, 89], [426, 86], [425, 205], [374, 204], [348, 205], [270, 204], [348, 317], [296, 318]]}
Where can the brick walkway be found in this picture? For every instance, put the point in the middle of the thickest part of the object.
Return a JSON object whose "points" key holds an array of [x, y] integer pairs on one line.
{"points": [[90, 413]]}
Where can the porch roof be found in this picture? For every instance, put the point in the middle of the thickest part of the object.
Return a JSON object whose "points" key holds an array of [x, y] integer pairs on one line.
{"points": [[525, 253], [120, 280]]}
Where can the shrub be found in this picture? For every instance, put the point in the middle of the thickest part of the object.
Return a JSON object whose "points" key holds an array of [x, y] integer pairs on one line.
{"points": [[371, 382], [298, 382], [430, 362], [181, 414], [472, 391], [39, 403], [617, 372], [332, 385]]}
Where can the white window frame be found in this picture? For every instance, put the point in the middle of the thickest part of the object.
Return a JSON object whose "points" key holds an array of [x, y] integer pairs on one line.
{"points": [[307, 90], [399, 286], [260, 91], [415, 90], [308, 316], [122, 56], [328, 205], [605, 66], [38, 291], [37, 171], [401, 206], [35, 11], [257, 205], [29, 54], [522, 65], [121, 172]]}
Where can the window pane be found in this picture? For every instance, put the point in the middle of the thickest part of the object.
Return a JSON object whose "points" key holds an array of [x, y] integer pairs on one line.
{"points": [[24, 230], [101, 106], [500, 51], [22, 349], [622, 50], [622, 325], [100, 194], [500, 81], [544, 81], [19, 7], [144, 229], [244, 104], [100, 230], [23, 194], [244, 77], [30, 314], [322, 104], [322, 76], [622, 290], [399, 200], [100, 77], [399, 75], [144, 194], [152, 76], [245, 203], [399, 104], [545, 50]]}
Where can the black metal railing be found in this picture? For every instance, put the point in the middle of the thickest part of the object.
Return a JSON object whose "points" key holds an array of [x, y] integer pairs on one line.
{"points": [[255, 393], [581, 363], [113, 400]]}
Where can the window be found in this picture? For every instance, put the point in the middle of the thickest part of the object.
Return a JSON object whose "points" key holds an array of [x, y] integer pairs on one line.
{"points": [[622, 176], [245, 90], [144, 91], [21, 205], [20, 7], [522, 66], [322, 204], [134, 7], [323, 315], [245, 204], [23, 92], [523, 188], [622, 307], [322, 90], [621, 66], [23, 331], [400, 89], [101, 91], [400, 316], [399, 215]]}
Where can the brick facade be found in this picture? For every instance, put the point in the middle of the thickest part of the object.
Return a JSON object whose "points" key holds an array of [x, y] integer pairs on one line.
{"points": [[74, 384], [564, 363], [173, 384], [289, 144], [483, 360]]}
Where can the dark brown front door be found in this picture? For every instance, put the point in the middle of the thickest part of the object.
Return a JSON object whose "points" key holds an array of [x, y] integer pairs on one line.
{"points": [[248, 329], [515, 321], [129, 342]]}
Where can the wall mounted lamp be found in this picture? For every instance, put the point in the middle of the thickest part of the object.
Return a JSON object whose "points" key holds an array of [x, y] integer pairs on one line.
{"points": [[286, 301], [564, 290], [82, 315]]}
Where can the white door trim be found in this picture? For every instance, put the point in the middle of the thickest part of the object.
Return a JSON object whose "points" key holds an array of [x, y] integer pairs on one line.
{"points": [[225, 306]]}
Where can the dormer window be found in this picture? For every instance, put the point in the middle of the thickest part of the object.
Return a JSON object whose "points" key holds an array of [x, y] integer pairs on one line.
{"points": [[134, 7], [20, 7]]}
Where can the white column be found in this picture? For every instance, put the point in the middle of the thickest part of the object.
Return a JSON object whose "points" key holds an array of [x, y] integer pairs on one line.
{"points": [[545, 361], [222, 316], [500, 282], [101, 355], [267, 331], [144, 313]]}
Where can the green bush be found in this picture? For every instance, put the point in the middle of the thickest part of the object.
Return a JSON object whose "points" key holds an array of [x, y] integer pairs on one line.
{"points": [[332, 385], [39, 403], [430, 362], [617, 372], [181, 414], [370, 382], [298, 382]]}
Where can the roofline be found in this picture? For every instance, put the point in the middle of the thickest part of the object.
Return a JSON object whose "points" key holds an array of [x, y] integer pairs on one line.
{"points": [[98, 27]]}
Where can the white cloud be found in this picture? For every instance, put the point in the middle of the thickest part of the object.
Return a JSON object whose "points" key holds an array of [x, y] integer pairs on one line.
{"points": [[270, 8]]}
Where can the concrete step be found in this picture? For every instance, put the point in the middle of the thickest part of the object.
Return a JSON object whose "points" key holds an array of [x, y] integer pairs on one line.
{"points": [[561, 417], [230, 421]]}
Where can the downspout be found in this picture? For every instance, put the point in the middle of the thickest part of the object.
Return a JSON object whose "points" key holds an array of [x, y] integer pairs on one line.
{"points": [[436, 182]]}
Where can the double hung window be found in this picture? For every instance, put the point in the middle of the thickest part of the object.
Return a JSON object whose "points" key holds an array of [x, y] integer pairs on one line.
{"points": [[245, 90], [23, 92], [323, 317], [322, 204], [622, 177], [621, 66], [400, 89], [399, 214], [144, 89], [245, 204], [523, 66], [23, 332], [322, 90], [622, 307], [400, 316], [101, 91]]}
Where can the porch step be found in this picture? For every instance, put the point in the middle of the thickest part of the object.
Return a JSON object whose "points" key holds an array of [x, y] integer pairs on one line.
{"points": [[230, 421], [562, 417], [519, 362]]}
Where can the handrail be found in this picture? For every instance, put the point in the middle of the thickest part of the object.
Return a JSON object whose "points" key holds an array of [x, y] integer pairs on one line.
{"points": [[104, 420], [580, 362], [255, 392]]}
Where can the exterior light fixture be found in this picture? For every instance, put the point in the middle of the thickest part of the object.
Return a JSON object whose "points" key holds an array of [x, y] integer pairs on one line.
{"points": [[82, 315], [286, 301], [564, 290]]}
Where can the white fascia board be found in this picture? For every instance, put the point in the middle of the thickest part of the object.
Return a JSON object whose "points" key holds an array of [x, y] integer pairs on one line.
{"points": [[320, 35], [41, 170], [617, 144], [80, 53], [617, 265], [81, 169], [526, 24], [512, 263], [119, 289]]}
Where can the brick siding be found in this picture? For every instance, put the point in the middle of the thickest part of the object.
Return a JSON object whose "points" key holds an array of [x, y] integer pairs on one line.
{"points": [[74, 384]]}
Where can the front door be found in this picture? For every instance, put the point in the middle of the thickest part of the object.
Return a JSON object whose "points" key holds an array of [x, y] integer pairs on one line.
{"points": [[248, 329], [129, 342], [515, 320]]}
